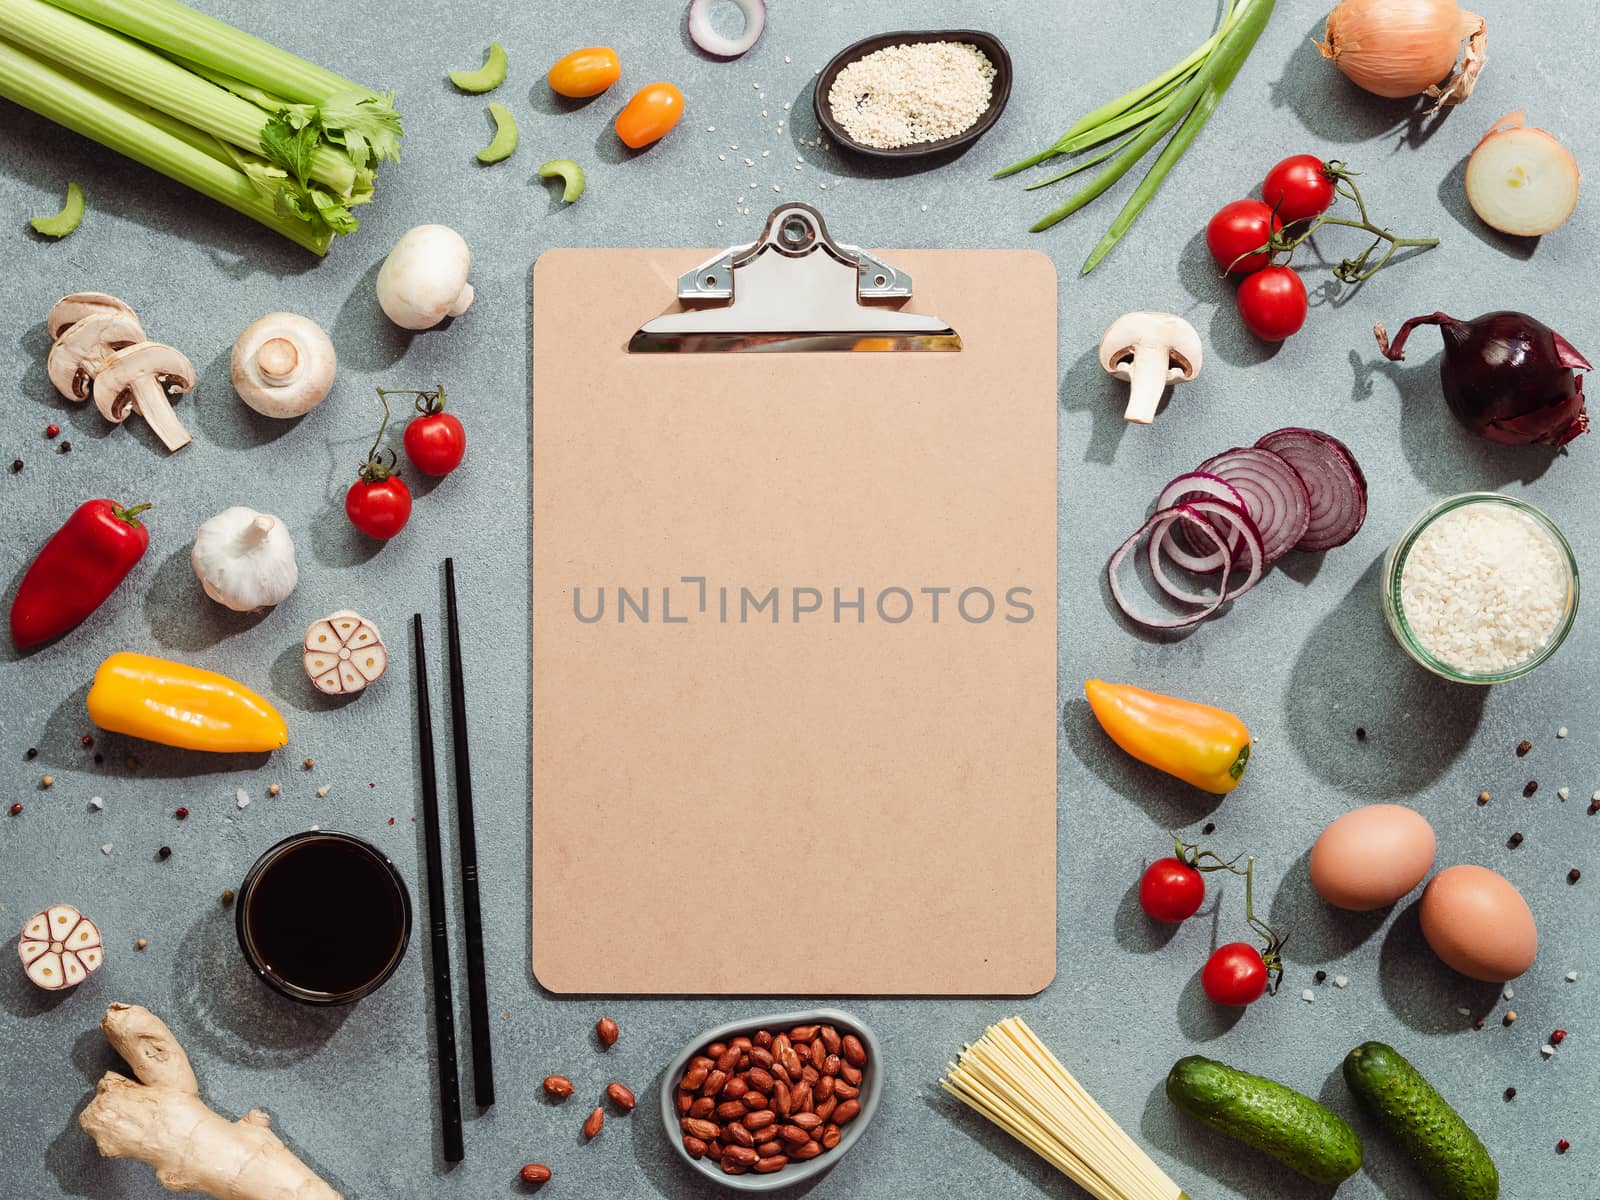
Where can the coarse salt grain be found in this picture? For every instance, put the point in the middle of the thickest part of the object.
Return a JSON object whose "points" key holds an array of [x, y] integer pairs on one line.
{"points": [[242, 797], [1483, 588], [1572, 977], [1308, 996], [1563, 792], [1340, 981], [96, 803], [1562, 732], [902, 95]]}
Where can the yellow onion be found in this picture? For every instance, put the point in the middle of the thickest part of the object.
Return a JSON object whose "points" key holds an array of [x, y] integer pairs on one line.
{"points": [[1399, 48]]}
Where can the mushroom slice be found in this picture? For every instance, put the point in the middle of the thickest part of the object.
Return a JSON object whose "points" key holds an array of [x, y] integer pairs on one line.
{"points": [[142, 378], [344, 653], [69, 310], [82, 351], [60, 947]]}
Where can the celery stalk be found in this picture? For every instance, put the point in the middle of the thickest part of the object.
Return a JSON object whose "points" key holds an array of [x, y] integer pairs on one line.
{"points": [[178, 29], [143, 134], [134, 70]]}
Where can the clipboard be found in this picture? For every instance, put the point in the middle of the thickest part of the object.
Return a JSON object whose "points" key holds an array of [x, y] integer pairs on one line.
{"points": [[794, 619]]}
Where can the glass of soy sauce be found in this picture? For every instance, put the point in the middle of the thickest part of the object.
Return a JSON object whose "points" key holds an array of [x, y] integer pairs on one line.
{"points": [[324, 918]]}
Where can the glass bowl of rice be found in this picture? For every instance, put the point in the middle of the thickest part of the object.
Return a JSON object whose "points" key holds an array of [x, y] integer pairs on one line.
{"points": [[1481, 588]]}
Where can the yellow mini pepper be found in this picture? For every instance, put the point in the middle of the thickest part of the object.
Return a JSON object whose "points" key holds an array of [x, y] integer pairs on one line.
{"points": [[1199, 744], [179, 705]]}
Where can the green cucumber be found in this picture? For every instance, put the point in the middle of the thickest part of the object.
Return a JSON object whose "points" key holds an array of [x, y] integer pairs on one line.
{"points": [[1439, 1142], [1294, 1129]]}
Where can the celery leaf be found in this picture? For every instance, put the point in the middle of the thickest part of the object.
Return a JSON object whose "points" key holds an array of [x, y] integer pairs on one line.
{"points": [[366, 125], [289, 144]]}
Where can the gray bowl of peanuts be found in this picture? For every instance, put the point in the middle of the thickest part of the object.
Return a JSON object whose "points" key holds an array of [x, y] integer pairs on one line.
{"points": [[770, 1102]]}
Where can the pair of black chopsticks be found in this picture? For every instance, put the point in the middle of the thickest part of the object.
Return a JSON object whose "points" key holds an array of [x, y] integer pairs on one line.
{"points": [[477, 989]]}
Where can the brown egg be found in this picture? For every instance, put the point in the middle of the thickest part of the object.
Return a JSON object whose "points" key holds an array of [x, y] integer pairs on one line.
{"points": [[1479, 923], [1372, 856]]}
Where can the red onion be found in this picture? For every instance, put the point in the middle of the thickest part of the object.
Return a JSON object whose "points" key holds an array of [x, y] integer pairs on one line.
{"points": [[1334, 484], [1275, 496], [714, 43], [1506, 376], [1192, 486], [1156, 527]]}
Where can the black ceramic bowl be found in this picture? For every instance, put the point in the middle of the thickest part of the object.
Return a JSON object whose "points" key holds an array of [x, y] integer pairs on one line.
{"points": [[999, 93]]}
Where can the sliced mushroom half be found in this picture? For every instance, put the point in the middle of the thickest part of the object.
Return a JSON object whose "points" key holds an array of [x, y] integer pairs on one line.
{"points": [[69, 310], [143, 378], [84, 348]]}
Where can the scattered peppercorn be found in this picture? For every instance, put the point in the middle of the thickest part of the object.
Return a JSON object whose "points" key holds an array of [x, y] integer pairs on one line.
{"points": [[141, 943], [1594, 807], [309, 763], [1210, 828], [1510, 1018], [1558, 1037], [1563, 1146], [1514, 840], [1530, 787], [1511, 1093], [31, 753], [1321, 977], [16, 465], [1484, 798], [47, 781], [227, 897], [16, 810], [1478, 1024], [1523, 747], [273, 790], [1361, 733], [52, 430], [86, 740], [66, 447], [181, 813], [164, 853], [1574, 875]]}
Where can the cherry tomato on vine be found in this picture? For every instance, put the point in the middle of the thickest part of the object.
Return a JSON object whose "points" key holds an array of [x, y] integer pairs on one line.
{"points": [[379, 508], [1236, 230], [1297, 188], [585, 72], [434, 439], [1273, 303], [650, 115], [1171, 890], [1235, 975]]}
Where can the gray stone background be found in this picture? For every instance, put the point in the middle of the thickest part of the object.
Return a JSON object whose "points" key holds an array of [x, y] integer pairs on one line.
{"points": [[1305, 660]]}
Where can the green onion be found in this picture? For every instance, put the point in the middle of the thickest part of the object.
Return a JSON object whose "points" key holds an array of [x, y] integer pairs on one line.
{"points": [[1184, 96]]}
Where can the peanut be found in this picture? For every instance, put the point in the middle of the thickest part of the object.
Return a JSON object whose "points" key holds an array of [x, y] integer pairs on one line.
{"points": [[735, 1088], [760, 1120], [808, 1150], [825, 1109], [794, 1135], [845, 1091], [715, 1049], [846, 1112], [791, 1062], [850, 1074], [606, 1030], [706, 1131], [685, 1103], [620, 1096], [780, 1043], [714, 1149], [775, 1162], [745, 1156], [714, 1082], [557, 1086], [763, 1039], [695, 1079], [730, 1110], [694, 1146], [535, 1173], [780, 1098], [803, 1033], [754, 1100], [800, 1098], [760, 1057], [768, 1149], [808, 1074], [728, 1060], [732, 1168], [853, 1051], [738, 1133], [830, 1065], [591, 1127], [818, 1055], [807, 1121], [743, 1043], [759, 1079], [700, 1060], [704, 1106], [830, 1136], [830, 1038], [823, 1088]]}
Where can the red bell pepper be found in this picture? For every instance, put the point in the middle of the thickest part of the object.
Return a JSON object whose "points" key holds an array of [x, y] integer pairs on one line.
{"points": [[78, 568]]}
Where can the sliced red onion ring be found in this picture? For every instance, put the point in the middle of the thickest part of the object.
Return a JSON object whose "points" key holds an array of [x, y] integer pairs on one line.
{"points": [[1192, 486], [1335, 486], [1236, 529], [1275, 496], [1157, 526], [714, 43]]}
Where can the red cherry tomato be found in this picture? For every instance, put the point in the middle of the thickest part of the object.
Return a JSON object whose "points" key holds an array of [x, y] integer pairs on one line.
{"points": [[1235, 975], [1297, 188], [1273, 303], [435, 443], [1171, 890], [1236, 230], [378, 507]]}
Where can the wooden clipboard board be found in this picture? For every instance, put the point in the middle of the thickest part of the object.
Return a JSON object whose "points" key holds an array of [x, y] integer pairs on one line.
{"points": [[743, 781]]}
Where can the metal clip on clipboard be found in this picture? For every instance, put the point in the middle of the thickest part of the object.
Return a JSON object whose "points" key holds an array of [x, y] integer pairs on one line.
{"points": [[793, 289]]}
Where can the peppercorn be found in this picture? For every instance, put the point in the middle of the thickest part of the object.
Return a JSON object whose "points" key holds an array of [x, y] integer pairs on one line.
{"points": [[1511, 1093], [1530, 787], [52, 430], [1361, 734], [87, 740], [16, 810], [47, 781], [273, 790], [141, 943], [1558, 1037], [1483, 798], [1210, 828], [31, 753], [181, 814], [16, 465], [1574, 875], [309, 763], [1510, 1018], [66, 447], [227, 897], [164, 853], [1478, 1024], [1563, 1146], [1523, 747], [1514, 840], [1321, 977]]}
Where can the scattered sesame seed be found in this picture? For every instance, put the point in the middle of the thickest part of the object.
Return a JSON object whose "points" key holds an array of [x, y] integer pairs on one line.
{"points": [[719, 221], [1562, 732], [316, 828], [106, 849], [763, 111], [786, 58], [776, 188], [824, 187], [755, 87], [785, 106], [1308, 996], [722, 158], [740, 200], [749, 162], [799, 159], [797, 166], [1465, 1012], [1340, 981], [733, 146], [924, 208], [96, 803], [141, 943], [765, 153]]}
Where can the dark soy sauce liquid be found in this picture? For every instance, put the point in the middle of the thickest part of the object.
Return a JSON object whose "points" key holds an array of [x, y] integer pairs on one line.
{"points": [[326, 916]]}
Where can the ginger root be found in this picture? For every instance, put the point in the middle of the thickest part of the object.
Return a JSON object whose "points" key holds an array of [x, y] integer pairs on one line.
{"points": [[161, 1120]]}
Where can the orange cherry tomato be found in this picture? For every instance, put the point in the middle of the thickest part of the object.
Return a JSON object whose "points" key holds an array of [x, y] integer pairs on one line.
{"points": [[585, 72], [650, 115]]}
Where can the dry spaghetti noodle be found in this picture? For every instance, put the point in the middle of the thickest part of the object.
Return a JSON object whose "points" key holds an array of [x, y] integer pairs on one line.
{"points": [[1012, 1079]]}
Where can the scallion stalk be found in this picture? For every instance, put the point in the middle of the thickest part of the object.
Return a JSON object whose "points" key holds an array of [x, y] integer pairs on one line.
{"points": [[145, 135]]}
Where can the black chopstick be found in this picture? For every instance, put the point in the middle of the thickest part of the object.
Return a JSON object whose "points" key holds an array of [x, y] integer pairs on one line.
{"points": [[477, 986], [444, 1012]]}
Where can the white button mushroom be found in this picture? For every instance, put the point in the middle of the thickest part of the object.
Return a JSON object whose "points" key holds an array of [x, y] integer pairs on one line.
{"points": [[283, 365], [1151, 350], [344, 653], [60, 948], [245, 559], [424, 279]]}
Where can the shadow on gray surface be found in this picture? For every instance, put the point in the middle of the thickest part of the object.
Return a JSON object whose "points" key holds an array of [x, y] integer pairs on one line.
{"points": [[1087, 388], [1225, 337], [1321, 933], [60, 745], [225, 1012], [292, 685], [363, 337], [71, 1156], [180, 615], [648, 1139], [1198, 1018], [1239, 1169], [1171, 803], [1351, 673], [1453, 196], [1135, 930], [1420, 990], [1008, 1153], [227, 420], [20, 998]]}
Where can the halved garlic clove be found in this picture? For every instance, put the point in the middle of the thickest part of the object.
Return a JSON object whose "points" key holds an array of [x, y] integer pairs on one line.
{"points": [[60, 947], [344, 653]]}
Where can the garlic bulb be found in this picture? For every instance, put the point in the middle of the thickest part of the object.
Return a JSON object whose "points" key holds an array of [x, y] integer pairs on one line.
{"points": [[245, 559], [60, 948], [344, 653]]}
